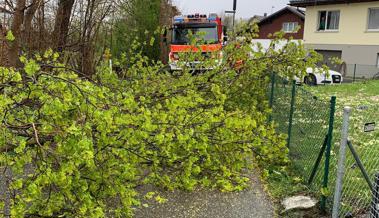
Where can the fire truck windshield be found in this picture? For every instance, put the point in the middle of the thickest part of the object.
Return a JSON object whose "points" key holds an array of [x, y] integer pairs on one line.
{"points": [[203, 32]]}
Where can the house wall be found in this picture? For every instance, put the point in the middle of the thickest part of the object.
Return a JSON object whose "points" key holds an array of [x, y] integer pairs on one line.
{"points": [[265, 43], [352, 26], [352, 54], [276, 24]]}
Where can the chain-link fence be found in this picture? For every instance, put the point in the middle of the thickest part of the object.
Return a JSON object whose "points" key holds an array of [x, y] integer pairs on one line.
{"points": [[374, 210], [358, 72], [280, 102], [308, 123], [359, 165]]}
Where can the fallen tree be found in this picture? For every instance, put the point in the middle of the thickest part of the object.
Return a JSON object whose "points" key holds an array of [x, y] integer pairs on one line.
{"points": [[78, 146]]}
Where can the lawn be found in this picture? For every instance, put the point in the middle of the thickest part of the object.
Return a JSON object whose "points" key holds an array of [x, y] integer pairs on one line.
{"points": [[349, 93], [364, 99]]}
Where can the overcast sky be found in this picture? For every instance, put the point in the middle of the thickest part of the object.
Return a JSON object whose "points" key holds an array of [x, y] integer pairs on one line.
{"points": [[245, 8]]}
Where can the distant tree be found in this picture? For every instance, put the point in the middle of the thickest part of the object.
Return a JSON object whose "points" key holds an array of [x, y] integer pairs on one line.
{"points": [[71, 26], [81, 30], [141, 21]]}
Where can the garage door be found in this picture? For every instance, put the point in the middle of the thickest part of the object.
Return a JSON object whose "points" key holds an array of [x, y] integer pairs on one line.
{"points": [[328, 54]]}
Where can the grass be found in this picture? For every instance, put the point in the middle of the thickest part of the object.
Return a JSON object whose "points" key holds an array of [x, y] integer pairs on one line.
{"points": [[348, 90], [309, 128], [363, 98]]}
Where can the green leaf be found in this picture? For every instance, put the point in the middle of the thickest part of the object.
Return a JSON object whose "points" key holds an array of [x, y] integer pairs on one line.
{"points": [[152, 40], [160, 200], [31, 67], [10, 37]]}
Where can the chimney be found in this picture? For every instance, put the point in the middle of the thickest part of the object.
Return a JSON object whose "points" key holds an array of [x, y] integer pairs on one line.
{"points": [[265, 15]]}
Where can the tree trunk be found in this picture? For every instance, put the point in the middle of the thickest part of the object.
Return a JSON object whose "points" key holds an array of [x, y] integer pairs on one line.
{"points": [[3, 47], [41, 28], [164, 18], [18, 19], [29, 14], [87, 46], [62, 22]]}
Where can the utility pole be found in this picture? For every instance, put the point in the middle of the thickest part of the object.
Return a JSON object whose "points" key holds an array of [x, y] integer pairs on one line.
{"points": [[233, 12]]}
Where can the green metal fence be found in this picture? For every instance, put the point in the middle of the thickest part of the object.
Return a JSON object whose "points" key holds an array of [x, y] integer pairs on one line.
{"points": [[308, 123]]}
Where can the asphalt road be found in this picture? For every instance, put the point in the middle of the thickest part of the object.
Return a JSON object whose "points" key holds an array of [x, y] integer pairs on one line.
{"points": [[250, 203]]}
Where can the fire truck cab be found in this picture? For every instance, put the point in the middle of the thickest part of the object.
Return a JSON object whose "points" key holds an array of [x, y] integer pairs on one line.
{"points": [[208, 29]]}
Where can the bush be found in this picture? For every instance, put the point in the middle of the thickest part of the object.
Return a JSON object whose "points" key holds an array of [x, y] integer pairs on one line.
{"points": [[78, 146]]}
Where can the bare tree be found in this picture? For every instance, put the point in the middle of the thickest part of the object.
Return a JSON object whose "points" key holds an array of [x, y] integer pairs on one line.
{"points": [[79, 29]]}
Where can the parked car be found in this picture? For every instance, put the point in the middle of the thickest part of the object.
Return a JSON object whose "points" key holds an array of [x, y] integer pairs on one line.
{"points": [[318, 76]]}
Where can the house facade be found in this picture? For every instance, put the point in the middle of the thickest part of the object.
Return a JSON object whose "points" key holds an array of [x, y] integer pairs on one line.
{"points": [[346, 29], [289, 19]]}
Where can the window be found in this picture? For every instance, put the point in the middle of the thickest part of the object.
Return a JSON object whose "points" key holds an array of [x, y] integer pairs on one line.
{"points": [[373, 18], [204, 32], [290, 27], [328, 20]]}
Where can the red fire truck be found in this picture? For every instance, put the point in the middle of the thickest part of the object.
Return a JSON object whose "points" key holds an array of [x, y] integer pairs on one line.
{"points": [[209, 28]]}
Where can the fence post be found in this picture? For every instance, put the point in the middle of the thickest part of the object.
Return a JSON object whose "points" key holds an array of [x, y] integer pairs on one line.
{"points": [[341, 162], [293, 95], [355, 70], [271, 102], [318, 160], [327, 152], [375, 198]]}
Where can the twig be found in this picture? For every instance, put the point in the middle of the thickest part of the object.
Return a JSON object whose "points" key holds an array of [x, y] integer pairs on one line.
{"points": [[36, 134]]}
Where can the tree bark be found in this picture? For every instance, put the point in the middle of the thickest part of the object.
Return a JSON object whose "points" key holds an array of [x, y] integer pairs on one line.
{"points": [[14, 48], [62, 22], [41, 28], [29, 14]]}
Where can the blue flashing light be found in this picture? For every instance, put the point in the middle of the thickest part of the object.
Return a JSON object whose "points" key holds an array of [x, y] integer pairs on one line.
{"points": [[178, 19]]}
